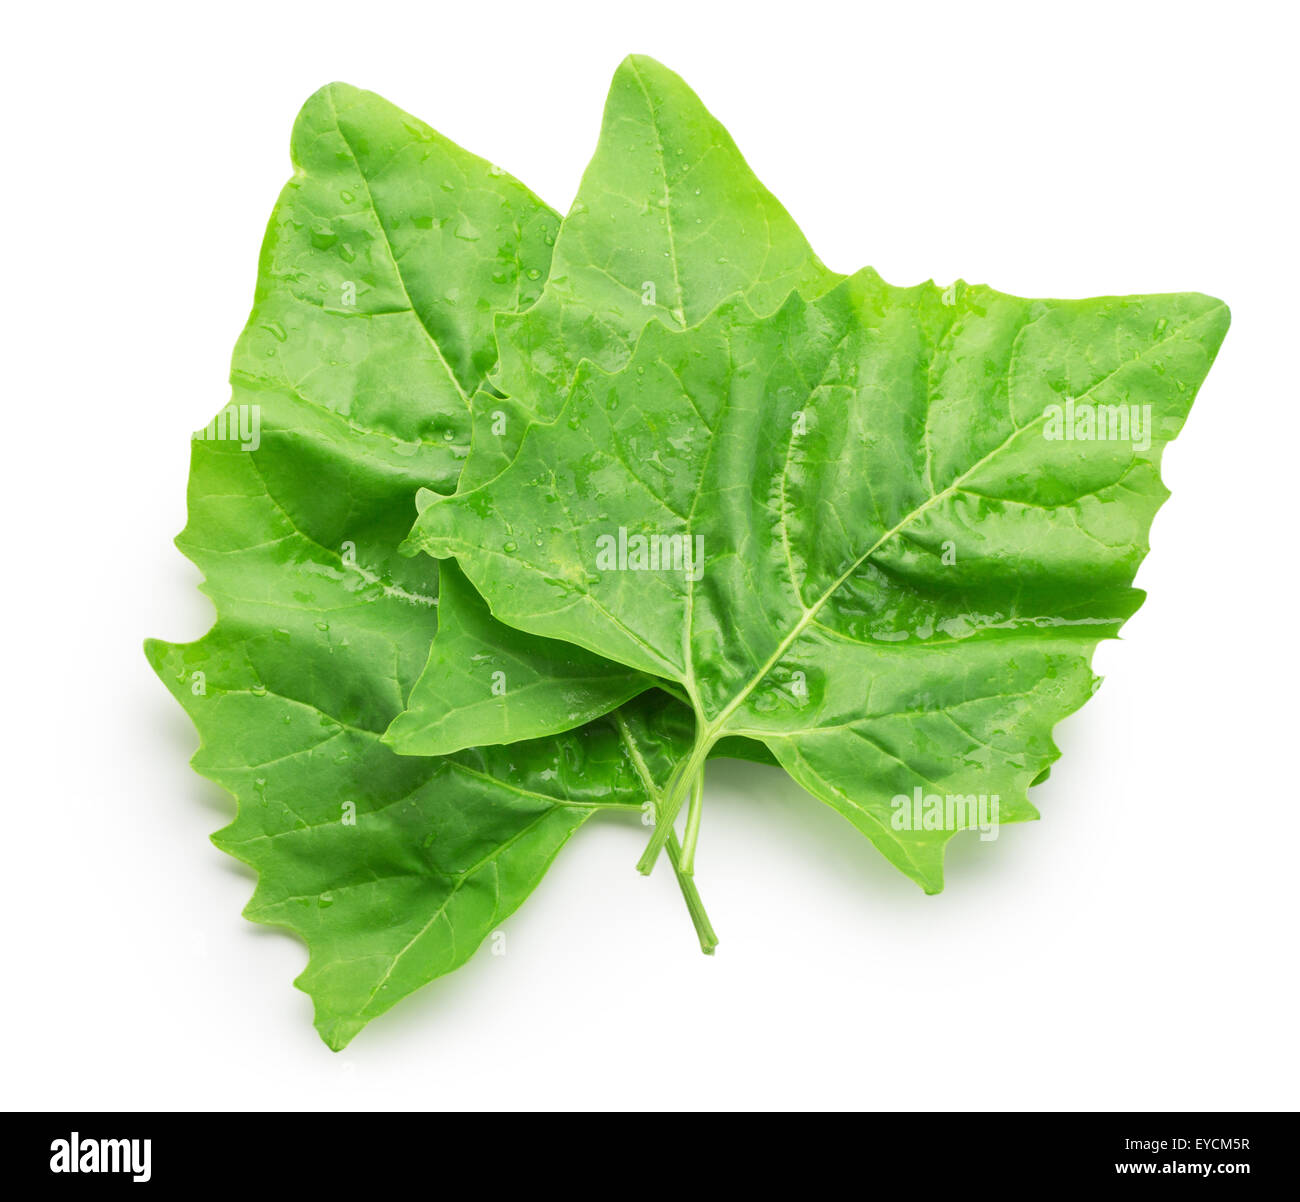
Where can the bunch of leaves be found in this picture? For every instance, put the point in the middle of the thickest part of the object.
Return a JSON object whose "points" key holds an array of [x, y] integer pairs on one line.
{"points": [[903, 580]]}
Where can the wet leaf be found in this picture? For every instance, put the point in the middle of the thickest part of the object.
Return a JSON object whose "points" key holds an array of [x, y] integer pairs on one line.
{"points": [[898, 539]]}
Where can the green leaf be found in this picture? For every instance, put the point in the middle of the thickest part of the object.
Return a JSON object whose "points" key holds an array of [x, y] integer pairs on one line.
{"points": [[667, 208], [669, 222], [385, 263], [341, 410], [392, 869], [488, 683], [903, 576]]}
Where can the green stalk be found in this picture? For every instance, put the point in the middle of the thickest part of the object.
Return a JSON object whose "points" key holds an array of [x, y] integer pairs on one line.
{"points": [[703, 927], [683, 781], [693, 825]]}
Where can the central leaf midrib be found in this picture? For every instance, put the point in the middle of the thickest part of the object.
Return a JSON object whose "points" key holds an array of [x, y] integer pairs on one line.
{"points": [[680, 312]]}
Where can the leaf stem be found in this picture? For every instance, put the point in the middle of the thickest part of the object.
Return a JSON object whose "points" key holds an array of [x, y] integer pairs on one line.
{"points": [[683, 780], [693, 825], [703, 927]]}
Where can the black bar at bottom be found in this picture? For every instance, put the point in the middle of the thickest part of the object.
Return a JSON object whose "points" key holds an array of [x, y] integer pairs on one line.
{"points": [[336, 1151]]}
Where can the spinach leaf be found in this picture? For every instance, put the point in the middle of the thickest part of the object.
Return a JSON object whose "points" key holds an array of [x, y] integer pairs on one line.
{"points": [[383, 263], [902, 534]]}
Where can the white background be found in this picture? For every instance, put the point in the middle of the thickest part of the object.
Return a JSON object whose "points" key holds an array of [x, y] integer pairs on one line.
{"points": [[1136, 948]]}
